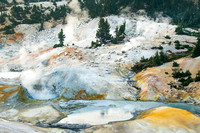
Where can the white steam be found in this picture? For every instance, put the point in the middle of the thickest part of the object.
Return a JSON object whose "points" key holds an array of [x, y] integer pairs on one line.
{"points": [[31, 78], [75, 6]]}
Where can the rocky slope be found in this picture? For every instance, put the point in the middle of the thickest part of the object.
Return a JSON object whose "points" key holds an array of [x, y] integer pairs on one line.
{"points": [[155, 82], [75, 71]]}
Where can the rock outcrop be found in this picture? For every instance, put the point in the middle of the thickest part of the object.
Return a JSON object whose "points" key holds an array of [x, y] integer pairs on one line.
{"points": [[74, 83], [155, 82], [16, 127], [9, 93], [12, 39]]}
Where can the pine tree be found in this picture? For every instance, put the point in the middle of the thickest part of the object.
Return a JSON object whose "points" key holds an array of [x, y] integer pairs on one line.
{"points": [[42, 17], [54, 3], [36, 14], [115, 40], [103, 32], [41, 25], [156, 59], [2, 19], [2, 6], [119, 34], [26, 2], [196, 51], [61, 37], [163, 57], [122, 30], [14, 1]]}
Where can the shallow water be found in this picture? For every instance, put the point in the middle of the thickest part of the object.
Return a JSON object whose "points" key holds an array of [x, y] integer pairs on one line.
{"points": [[105, 111]]}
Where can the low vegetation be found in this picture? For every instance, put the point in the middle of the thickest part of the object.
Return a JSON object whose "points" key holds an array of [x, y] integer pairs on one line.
{"points": [[161, 58], [179, 46], [183, 79], [167, 37], [184, 13], [175, 64], [156, 60], [32, 15]]}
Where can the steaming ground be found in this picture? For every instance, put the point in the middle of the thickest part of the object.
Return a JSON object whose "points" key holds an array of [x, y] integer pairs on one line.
{"points": [[48, 73]]}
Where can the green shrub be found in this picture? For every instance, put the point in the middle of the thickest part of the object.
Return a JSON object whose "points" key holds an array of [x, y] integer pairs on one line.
{"points": [[177, 42], [175, 64], [186, 46], [119, 34], [179, 30], [156, 60], [181, 74], [167, 37], [95, 44], [178, 45], [58, 45], [183, 77]]}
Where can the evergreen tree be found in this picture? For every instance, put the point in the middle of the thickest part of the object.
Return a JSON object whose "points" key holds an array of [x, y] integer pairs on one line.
{"points": [[61, 37], [2, 19], [196, 51], [35, 15], [115, 40], [17, 13], [185, 11], [14, 2], [42, 17], [60, 12], [156, 59], [119, 34], [2, 6], [163, 57], [103, 32], [54, 3], [175, 64], [26, 2], [41, 25]]}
